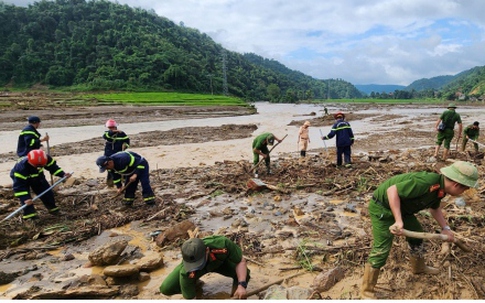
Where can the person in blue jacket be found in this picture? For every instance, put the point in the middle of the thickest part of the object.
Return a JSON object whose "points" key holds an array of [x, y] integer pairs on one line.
{"points": [[345, 139], [134, 168], [29, 138], [28, 174], [116, 140]]}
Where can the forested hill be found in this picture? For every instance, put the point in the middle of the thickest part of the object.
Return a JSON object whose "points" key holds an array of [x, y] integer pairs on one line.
{"points": [[104, 45]]}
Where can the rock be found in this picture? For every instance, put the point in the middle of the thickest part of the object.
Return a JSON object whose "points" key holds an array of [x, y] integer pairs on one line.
{"points": [[177, 231], [68, 257], [150, 263], [118, 271], [107, 254], [6, 278], [298, 293], [275, 292], [129, 291], [144, 276], [92, 292], [326, 280]]}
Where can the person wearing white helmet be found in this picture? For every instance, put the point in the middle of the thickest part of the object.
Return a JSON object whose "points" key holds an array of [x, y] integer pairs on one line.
{"points": [[392, 208], [115, 141]]}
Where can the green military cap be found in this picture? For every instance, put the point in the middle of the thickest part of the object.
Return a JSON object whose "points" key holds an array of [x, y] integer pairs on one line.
{"points": [[462, 172]]}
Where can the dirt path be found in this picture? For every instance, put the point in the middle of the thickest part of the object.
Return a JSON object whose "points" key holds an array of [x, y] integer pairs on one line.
{"points": [[332, 229]]}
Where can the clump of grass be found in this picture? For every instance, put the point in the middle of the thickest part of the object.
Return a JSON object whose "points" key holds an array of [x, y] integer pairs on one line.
{"points": [[303, 258]]}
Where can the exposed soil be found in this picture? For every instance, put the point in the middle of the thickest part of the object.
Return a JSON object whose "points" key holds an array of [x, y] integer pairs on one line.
{"points": [[315, 213]]}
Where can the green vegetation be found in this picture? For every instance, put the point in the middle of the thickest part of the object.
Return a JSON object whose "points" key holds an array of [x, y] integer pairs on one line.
{"points": [[99, 45], [162, 98], [303, 256]]}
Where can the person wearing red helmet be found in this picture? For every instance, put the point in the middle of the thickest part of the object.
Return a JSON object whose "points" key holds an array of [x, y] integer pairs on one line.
{"points": [[115, 141], [345, 139], [27, 174]]}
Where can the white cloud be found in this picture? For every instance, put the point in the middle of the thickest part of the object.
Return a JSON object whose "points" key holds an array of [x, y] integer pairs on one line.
{"points": [[361, 41]]}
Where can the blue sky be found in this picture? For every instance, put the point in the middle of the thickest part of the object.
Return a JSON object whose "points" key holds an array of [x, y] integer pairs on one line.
{"points": [[360, 41]]}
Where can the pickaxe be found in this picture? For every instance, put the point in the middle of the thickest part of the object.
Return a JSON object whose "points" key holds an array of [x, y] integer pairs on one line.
{"points": [[36, 197], [418, 235]]}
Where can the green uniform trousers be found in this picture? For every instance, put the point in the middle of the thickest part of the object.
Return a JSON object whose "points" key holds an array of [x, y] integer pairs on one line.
{"points": [[446, 136], [264, 150], [381, 219]]}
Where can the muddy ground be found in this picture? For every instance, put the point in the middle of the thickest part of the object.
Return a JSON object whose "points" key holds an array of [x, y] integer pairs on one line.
{"points": [[313, 219]]}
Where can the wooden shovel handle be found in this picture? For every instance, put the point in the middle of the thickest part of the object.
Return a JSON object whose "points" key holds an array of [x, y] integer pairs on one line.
{"points": [[418, 235]]}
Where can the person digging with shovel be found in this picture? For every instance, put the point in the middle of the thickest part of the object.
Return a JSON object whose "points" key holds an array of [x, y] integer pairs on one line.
{"points": [[393, 205], [116, 140], [260, 148], [28, 173], [135, 169]]}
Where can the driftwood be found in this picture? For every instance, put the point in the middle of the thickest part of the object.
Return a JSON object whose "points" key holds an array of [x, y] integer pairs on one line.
{"points": [[267, 285], [430, 236]]}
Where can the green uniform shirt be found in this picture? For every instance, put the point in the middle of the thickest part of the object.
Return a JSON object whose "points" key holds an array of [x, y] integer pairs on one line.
{"points": [[417, 191], [449, 118], [223, 257], [471, 132], [259, 140]]}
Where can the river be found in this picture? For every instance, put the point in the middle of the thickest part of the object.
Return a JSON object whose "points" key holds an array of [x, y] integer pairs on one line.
{"points": [[270, 117]]}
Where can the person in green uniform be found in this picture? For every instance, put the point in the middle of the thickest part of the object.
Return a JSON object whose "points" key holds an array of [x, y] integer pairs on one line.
{"points": [[472, 131], [448, 118], [260, 148], [201, 256], [393, 205]]}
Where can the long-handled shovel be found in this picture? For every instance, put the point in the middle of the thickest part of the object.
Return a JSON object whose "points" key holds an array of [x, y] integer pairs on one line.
{"points": [[418, 235], [255, 166], [471, 140], [324, 144], [36, 197], [49, 153]]}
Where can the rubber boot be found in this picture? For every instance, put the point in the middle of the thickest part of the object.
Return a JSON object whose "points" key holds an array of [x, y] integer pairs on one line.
{"points": [[418, 266], [369, 282]]}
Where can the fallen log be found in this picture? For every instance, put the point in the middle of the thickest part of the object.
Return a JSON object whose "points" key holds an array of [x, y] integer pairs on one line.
{"points": [[267, 285]]}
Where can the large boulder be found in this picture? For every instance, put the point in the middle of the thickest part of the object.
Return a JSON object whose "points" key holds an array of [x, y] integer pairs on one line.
{"points": [[108, 254]]}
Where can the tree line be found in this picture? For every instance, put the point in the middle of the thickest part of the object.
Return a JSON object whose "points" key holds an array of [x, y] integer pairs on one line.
{"points": [[101, 45]]}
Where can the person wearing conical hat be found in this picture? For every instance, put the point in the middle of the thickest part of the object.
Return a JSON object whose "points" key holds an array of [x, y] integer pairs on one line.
{"points": [[447, 119], [393, 206]]}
